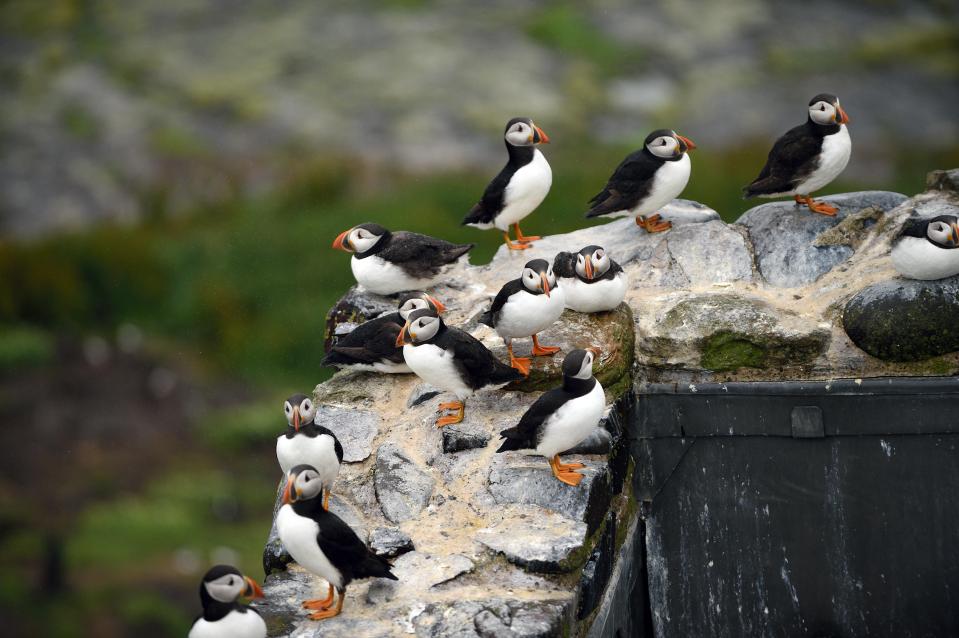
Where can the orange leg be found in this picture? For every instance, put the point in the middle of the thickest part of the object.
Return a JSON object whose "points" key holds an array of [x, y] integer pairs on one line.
{"points": [[820, 207], [524, 239], [520, 363], [329, 613], [326, 503], [564, 473], [320, 603], [516, 246], [652, 224], [799, 200], [543, 351], [460, 408]]}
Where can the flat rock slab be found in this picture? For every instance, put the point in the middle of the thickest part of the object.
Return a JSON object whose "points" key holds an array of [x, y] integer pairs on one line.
{"points": [[355, 429], [402, 489], [464, 436], [783, 236], [492, 618], [390, 542], [535, 538]]}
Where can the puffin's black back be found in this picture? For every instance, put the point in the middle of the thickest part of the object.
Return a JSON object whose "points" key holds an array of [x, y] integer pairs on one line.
{"points": [[792, 159], [368, 343], [629, 184], [418, 255], [493, 199], [478, 367]]}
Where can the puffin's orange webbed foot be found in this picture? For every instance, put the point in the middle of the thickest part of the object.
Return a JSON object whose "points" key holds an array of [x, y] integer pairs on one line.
{"points": [[320, 603], [520, 363], [517, 246], [655, 224], [543, 351], [563, 473], [460, 408], [821, 207], [524, 239]]}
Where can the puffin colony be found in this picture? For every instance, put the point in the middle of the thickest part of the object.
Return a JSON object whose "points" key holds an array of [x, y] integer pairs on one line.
{"points": [[415, 339]]}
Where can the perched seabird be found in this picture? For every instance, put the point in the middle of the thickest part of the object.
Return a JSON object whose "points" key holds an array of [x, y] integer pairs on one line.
{"points": [[387, 262], [519, 188], [306, 442], [371, 346], [451, 360], [320, 542], [928, 248], [223, 616], [647, 180], [592, 281], [807, 157], [561, 418], [524, 307]]}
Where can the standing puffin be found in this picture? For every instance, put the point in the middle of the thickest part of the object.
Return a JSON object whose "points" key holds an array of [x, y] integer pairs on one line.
{"points": [[807, 157], [386, 263], [452, 360], [320, 542], [592, 281], [371, 346], [519, 188], [223, 616], [647, 180], [526, 306], [306, 442], [561, 418], [928, 248]]}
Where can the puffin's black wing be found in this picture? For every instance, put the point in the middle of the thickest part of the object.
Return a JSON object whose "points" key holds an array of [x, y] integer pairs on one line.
{"points": [[421, 255], [369, 343], [629, 184], [793, 157], [510, 288], [526, 434], [913, 227], [564, 265], [347, 552], [478, 366], [490, 205]]}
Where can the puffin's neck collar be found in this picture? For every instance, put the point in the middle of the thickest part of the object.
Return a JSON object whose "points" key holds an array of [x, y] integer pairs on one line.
{"points": [[520, 155], [578, 387], [377, 247], [821, 130]]}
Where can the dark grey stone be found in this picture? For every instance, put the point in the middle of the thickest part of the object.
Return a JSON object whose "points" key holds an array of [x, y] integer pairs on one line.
{"points": [[402, 489], [464, 436], [355, 428], [598, 569], [390, 542]]}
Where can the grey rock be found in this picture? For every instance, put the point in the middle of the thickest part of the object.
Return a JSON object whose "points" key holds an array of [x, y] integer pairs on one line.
{"points": [[420, 572], [355, 428], [783, 236], [535, 538], [710, 252], [905, 319], [946, 181], [493, 618], [402, 489], [421, 394], [464, 436], [355, 307], [599, 442], [390, 542]]}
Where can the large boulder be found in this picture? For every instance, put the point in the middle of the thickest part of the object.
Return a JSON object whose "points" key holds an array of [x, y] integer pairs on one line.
{"points": [[402, 488]]}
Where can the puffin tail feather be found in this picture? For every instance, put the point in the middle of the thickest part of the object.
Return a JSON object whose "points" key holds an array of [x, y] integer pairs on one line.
{"points": [[506, 374]]}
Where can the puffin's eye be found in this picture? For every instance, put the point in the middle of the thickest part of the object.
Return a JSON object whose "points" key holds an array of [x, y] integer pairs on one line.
{"points": [[663, 143]]}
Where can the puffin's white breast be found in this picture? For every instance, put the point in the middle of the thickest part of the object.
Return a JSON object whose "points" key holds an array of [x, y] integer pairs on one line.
{"points": [[597, 296], [524, 314], [298, 535], [572, 423], [318, 451], [833, 158], [668, 182], [234, 625], [384, 278], [435, 366], [918, 258], [526, 190]]}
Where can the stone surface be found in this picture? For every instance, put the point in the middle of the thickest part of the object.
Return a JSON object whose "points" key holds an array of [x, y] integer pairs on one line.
{"points": [[598, 569], [402, 489], [390, 542], [420, 394], [783, 236], [355, 428], [599, 442], [535, 538], [355, 307], [463, 436], [492, 618], [946, 181], [905, 319]]}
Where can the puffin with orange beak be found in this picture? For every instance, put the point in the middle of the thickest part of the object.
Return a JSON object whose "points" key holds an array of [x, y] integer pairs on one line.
{"points": [[519, 188], [524, 307], [807, 157], [593, 282], [308, 442], [927, 248], [371, 346], [647, 180], [223, 615]]}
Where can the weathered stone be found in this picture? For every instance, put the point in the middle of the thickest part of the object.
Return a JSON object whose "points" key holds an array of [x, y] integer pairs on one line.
{"points": [[355, 307], [420, 572], [783, 236], [599, 442], [905, 319], [421, 393], [535, 538], [390, 542], [709, 253], [598, 569], [355, 428], [947, 181], [464, 436], [402, 489], [493, 618]]}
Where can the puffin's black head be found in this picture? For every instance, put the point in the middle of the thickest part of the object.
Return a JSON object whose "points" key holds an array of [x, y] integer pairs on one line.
{"points": [[421, 326], [224, 584], [538, 277], [299, 409], [361, 239], [667, 144], [579, 363], [419, 301], [564, 264], [302, 484], [521, 131], [824, 110], [592, 262], [943, 231]]}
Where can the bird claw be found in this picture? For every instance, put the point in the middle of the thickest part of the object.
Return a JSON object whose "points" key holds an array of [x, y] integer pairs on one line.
{"points": [[570, 478], [522, 364], [318, 604], [322, 615], [525, 239], [544, 351]]}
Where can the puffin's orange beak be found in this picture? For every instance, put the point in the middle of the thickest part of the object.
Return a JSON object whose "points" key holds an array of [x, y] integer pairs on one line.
{"points": [[545, 283], [440, 308], [400, 341], [252, 588], [589, 267], [690, 145], [342, 243], [296, 418], [287, 491], [539, 136], [954, 237], [841, 117], [596, 351]]}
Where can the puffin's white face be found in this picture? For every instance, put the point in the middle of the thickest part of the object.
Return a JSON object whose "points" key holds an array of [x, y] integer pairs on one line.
{"points": [[304, 412], [414, 303], [822, 112], [226, 588], [424, 328], [362, 240], [586, 370], [942, 234], [663, 146], [592, 266], [307, 485], [520, 134], [534, 281]]}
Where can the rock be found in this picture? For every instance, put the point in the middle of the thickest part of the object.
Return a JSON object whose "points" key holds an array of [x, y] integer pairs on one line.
{"points": [[493, 618], [355, 307], [464, 436], [355, 428], [598, 569], [420, 572], [711, 252], [536, 538], [946, 181], [783, 236], [402, 489], [420, 394], [599, 442], [390, 542], [905, 319]]}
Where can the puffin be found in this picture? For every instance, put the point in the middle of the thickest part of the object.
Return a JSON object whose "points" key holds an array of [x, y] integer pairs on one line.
{"points": [[519, 188], [308, 442], [647, 180], [592, 281], [387, 262], [322, 543], [452, 360], [562, 417], [524, 307], [223, 616], [371, 346], [927, 248], [807, 157]]}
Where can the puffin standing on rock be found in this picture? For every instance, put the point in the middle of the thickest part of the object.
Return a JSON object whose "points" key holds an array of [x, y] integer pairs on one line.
{"points": [[561, 418], [592, 281], [647, 180], [807, 157], [320, 542], [306, 442], [519, 188], [371, 346], [223, 616], [451, 360], [928, 248], [387, 262], [524, 307]]}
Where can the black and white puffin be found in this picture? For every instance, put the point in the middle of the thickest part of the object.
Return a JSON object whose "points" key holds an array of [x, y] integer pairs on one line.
{"points": [[807, 157], [387, 262], [306, 442], [561, 418], [451, 360], [928, 248], [525, 306], [320, 542], [647, 180], [223, 616], [371, 346], [519, 188], [592, 281]]}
